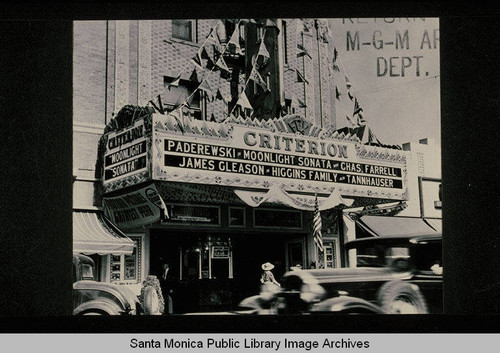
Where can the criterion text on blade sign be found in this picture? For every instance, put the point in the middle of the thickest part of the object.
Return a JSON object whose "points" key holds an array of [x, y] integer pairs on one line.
{"points": [[250, 343]]}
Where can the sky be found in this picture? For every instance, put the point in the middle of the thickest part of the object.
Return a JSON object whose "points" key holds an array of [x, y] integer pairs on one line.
{"points": [[394, 75]]}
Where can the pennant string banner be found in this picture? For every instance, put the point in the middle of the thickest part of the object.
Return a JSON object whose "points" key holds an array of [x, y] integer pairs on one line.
{"points": [[242, 93], [189, 62], [218, 63]]}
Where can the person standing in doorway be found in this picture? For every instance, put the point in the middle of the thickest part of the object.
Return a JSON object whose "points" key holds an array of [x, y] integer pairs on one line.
{"points": [[267, 276], [167, 288]]}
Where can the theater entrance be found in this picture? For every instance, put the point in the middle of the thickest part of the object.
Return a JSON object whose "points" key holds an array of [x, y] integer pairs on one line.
{"points": [[250, 251], [214, 270]]}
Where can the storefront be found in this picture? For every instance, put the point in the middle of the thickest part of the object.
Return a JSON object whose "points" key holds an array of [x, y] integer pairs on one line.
{"points": [[216, 200], [115, 255]]}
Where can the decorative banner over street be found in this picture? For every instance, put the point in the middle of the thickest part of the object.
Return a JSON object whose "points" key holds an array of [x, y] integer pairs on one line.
{"points": [[258, 157]]}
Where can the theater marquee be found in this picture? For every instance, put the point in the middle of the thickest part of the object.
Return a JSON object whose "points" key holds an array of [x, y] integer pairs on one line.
{"points": [[250, 154], [126, 157]]}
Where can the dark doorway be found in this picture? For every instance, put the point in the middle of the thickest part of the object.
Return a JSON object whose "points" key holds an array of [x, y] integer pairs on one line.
{"points": [[250, 251]]}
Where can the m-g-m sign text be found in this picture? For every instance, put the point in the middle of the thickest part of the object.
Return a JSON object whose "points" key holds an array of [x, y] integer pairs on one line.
{"points": [[403, 38], [126, 152]]}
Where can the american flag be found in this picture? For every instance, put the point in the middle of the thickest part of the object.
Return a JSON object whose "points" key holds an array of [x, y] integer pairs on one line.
{"points": [[318, 239]]}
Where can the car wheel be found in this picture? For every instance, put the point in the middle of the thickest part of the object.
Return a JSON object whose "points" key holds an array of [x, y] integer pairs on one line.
{"points": [[399, 297]]}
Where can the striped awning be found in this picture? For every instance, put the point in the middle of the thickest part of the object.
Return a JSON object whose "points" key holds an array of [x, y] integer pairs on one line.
{"points": [[93, 234]]}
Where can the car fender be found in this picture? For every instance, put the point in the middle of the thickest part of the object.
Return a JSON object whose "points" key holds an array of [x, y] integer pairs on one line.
{"points": [[107, 307], [347, 304], [253, 302]]}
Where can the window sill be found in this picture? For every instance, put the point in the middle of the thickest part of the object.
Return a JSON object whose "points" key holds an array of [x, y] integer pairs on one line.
{"points": [[183, 41]]}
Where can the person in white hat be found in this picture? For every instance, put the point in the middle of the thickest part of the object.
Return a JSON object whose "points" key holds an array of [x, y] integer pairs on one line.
{"points": [[267, 275]]}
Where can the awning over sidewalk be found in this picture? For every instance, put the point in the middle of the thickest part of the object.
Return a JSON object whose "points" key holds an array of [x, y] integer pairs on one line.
{"points": [[394, 226], [93, 234]]}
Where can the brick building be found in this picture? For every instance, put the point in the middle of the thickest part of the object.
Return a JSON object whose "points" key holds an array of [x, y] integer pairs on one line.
{"points": [[217, 234]]}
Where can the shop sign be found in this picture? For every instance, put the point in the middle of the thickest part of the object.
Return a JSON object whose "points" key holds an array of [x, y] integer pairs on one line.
{"points": [[257, 157], [126, 154], [134, 209], [220, 252]]}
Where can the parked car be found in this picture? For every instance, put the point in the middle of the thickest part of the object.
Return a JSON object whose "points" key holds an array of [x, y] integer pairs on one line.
{"points": [[97, 298], [387, 275]]}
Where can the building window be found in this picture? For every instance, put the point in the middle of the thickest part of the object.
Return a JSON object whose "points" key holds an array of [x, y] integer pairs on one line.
{"points": [[277, 218], [285, 51], [127, 268], [259, 33], [182, 29], [237, 217], [328, 258], [176, 95], [188, 214]]}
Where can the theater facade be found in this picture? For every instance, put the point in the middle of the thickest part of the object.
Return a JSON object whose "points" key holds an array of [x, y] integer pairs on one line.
{"points": [[215, 200]]}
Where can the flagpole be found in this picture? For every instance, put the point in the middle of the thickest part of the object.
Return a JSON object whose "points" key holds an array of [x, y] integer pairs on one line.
{"points": [[319, 74], [304, 71], [316, 259]]}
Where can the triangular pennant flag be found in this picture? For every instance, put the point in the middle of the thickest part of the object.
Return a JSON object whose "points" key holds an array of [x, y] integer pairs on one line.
{"points": [[372, 138], [188, 101], [214, 40], [257, 78], [337, 93], [361, 120], [300, 77], [335, 68], [204, 54], [243, 101], [234, 43], [262, 53], [357, 108], [159, 107], [349, 94], [205, 86], [347, 83], [196, 60], [175, 82], [211, 65], [301, 104], [302, 51], [335, 55], [219, 96], [212, 118], [194, 76], [221, 63]]}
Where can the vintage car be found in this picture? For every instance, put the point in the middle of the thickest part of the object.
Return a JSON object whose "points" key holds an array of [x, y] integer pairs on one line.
{"points": [[387, 275], [97, 298]]}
